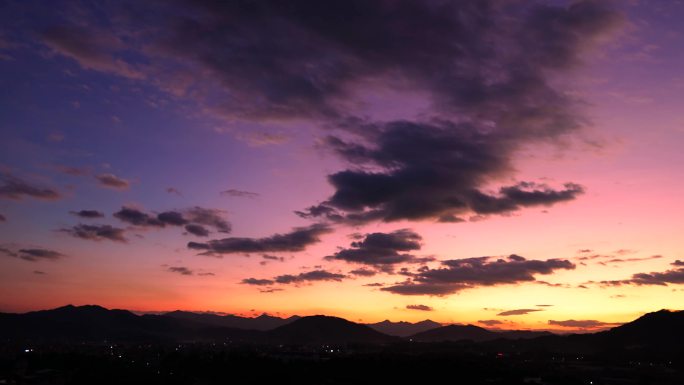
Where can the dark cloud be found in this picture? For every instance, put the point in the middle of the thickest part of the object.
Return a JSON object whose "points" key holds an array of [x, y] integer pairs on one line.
{"points": [[625, 260], [2, 218], [517, 312], [363, 272], [96, 232], [273, 258], [544, 305], [38, 272], [419, 307], [314, 275], [91, 48], [206, 274], [678, 263], [15, 188], [173, 190], [208, 217], [172, 218], [239, 194], [581, 324], [180, 270], [431, 171], [375, 284], [88, 214], [73, 171], [113, 181], [486, 68], [137, 217], [673, 276], [257, 282], [197, 230], [33, 255], [296, 240], [194, 219], [382, 249], [490, 322], [461, 274], [584, 251]]}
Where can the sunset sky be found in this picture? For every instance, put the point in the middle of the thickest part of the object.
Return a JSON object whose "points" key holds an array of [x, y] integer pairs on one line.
{"points": [[510, 164]]}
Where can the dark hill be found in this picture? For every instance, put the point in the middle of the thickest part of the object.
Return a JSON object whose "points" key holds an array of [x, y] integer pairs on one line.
{"points": [[97, 324], [321, 329], [404, 329], [262, 322], [455, 333]]}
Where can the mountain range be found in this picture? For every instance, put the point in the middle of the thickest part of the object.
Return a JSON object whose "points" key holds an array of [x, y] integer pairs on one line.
{"points": [[659, 330]]}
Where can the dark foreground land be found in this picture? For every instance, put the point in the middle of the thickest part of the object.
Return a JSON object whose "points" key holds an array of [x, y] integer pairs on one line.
{"points": [[402, 363], [93, 345]]}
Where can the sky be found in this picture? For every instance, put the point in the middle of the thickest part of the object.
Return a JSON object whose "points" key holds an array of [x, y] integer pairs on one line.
{"points": [[509, 164]]}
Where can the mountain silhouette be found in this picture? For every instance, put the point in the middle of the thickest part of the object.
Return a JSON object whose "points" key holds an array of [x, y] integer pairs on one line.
{"points": [[404, 329], [455, 333], [321, 329], [262, 322], [95, 323]]}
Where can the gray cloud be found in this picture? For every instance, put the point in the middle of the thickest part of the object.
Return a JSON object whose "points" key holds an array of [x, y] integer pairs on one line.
{"points": [[363, 272], [257, 282], [239, 194], [382, 249], [113, 181], [517, 312], [137, 217], [33, 254], [197, 230], [2, 218], [15, 188], [582, 324], [180, 270], [309, 276], [87, 214], [486, 69], [419, 307], [96, 232], [669, 277], [296, 240], [461, 274]]}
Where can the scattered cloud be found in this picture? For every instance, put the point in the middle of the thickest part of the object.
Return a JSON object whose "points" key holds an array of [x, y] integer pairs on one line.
{"points": [[73, 171], [460, 274], [309, 276], [197, 230], [296, 240], [180, 270], [382, 249], [87, 214], [419, 307], [113, 181], [486, 69], [96, 232], [136, 217], [15, 188], [172, 190], [363, 272], [517, 312], [673, 276], [239, 194], [582, 324], [257, 282], [287, 279], [33, 255]]}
